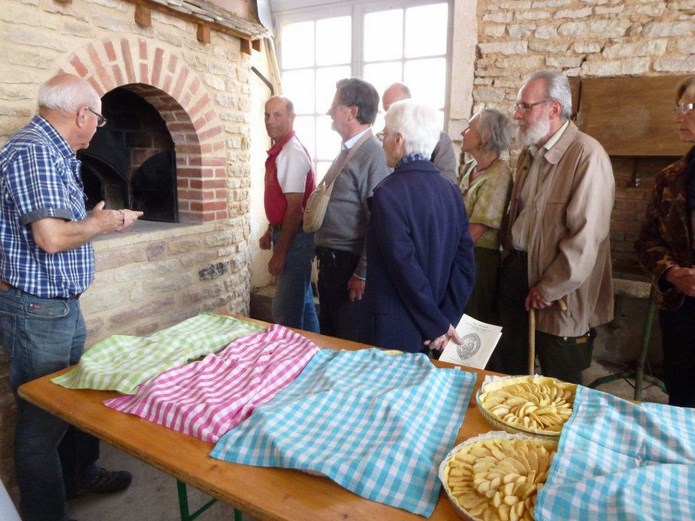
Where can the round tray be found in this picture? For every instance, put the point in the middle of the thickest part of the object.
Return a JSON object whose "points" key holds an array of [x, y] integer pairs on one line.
{"points": [[513, 427], [443, 473]]}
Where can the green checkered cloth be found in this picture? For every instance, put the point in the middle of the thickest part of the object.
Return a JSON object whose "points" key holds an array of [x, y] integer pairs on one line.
{"points": [[121, 363]]}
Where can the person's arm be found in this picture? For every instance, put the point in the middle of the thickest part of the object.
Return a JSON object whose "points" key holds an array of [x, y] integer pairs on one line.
{"points": [[655, 253], [587, 223], [444, 157], [477, 230], [290, 226], [54, 235], [377, 170]]}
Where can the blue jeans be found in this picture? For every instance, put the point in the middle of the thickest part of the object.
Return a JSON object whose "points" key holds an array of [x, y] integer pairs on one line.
{"points": [[41, 336], [293, 304]]}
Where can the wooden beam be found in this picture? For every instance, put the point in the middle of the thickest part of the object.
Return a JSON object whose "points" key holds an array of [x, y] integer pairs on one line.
{"points": [[245, 46], [203, 33], [256, 44], [143, 15]]}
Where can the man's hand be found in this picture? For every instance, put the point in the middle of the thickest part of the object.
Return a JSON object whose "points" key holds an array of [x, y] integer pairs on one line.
{"points": [[535, 300], [356, 288], [264, 241], [683, 279], [128, 219], [439, 343], [276, 264]]}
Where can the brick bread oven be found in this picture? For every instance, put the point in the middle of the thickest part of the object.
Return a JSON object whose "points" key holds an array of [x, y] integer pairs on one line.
{"points": [[196, 79]]}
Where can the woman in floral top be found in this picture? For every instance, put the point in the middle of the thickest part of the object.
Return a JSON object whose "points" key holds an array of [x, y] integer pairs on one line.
{"points": [[666, 250], [485, 183]]}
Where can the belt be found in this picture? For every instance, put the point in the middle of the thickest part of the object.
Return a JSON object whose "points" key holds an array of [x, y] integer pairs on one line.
{"points": [[4, 286], [278, 227]]}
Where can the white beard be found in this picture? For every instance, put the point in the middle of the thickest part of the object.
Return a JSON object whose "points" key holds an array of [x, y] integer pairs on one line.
{"points": [[532, 134]]}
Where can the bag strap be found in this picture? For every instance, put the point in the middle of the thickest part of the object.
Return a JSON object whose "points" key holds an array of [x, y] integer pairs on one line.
{"points": [[333, 173]]}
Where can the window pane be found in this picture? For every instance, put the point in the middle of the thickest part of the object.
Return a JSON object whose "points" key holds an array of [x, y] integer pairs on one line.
{"points": [[299, 87], [305, 129], [426, 79], [327, 139], [326, 79], [383, 35], [297, 45], [425, 30], [333, 41], [321, 169], [381, 75]]}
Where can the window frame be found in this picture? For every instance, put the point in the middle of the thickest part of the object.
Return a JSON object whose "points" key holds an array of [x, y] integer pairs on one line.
{"points": [[295, 11]]}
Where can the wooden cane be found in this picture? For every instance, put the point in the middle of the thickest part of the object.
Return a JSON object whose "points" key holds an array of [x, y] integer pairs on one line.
{"points": [[531, 341], [532, 335]]}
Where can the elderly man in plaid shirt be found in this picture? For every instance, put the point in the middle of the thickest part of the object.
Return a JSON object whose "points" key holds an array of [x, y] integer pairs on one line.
{"points": [[46, 262]]}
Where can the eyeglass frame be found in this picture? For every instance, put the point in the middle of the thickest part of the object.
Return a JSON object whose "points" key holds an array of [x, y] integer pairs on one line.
{"points": [[380, 136], [525, 107], [683, 108], [101, 120]]}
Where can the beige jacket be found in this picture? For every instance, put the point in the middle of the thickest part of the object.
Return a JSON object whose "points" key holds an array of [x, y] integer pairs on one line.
{"points": [[569, 250]]}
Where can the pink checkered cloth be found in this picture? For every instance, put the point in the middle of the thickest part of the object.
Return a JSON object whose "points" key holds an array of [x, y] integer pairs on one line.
{"points": [[208, 398]]}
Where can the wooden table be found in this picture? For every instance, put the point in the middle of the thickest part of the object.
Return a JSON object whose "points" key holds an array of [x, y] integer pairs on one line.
{"points": [[266, 493]]}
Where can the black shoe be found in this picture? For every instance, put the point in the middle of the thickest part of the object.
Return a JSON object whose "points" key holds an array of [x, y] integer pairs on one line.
{"points": [[105, 482]]}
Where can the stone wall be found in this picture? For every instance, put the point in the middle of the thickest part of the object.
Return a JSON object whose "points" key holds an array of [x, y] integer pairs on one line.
{"points": [[158, 274]]}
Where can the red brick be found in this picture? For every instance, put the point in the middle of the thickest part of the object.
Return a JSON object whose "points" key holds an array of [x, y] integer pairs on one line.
{"points": [[180, 82], [110, 52], [79, 67], [157, 66], [128, 61]]}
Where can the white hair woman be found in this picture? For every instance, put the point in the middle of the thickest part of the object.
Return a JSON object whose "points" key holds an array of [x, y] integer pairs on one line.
{"points": [[420, 268], [486, 182]]}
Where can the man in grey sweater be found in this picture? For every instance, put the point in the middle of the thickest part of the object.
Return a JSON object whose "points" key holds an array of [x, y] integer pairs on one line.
{"points": [[340, 243]]}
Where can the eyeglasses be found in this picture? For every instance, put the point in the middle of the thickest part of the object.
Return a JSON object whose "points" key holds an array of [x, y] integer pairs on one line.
{"points": [[683, 108], [101, 120], [380, 136], [524, 107]]}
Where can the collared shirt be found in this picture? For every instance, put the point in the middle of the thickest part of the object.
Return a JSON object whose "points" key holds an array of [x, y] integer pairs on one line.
{"points": [[40, 178], [354, 139], [520, 228], [288, 169]]}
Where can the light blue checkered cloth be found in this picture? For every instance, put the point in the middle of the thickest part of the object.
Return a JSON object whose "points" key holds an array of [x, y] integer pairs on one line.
{"points": [[621, 461], [377, 424]]}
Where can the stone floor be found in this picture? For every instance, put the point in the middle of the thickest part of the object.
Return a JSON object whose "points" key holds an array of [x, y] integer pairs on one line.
{"points": [[153, 497]]}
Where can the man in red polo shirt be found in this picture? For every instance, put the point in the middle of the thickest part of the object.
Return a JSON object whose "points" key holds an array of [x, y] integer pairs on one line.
{"points": [[289, 180]]}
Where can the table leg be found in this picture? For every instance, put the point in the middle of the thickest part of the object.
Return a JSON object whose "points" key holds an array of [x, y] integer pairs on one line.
{"points": [[186, 514]]}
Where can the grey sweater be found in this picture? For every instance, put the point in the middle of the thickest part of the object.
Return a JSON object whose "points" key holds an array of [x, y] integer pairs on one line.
{"points": [[345, 224]]}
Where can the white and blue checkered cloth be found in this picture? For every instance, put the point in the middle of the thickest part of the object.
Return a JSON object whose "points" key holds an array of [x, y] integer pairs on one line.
{"points": [[621, 461], [375, 423]]}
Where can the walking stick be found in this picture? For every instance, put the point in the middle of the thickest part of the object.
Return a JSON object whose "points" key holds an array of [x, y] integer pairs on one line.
{"points": [[532, 335], [531, 341]]}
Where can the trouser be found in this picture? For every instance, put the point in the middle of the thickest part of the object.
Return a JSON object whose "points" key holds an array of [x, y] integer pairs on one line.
{"points": [[560, 357], [293, 304], [41, 336], [677, 338], [338, 316], [482, 304]]}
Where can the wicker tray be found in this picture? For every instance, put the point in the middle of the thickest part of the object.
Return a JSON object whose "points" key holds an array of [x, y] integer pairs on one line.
{"points": [[493, 435], [513, 427]]}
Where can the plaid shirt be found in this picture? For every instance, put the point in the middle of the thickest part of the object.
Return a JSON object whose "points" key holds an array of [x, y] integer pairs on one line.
{"points": [[39, 178]]}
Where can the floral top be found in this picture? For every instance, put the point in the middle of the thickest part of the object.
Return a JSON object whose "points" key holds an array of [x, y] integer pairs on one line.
{"points": [[486, 198]]}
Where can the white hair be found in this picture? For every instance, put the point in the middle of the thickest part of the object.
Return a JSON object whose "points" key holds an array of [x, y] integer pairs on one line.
{"points": [[557, 87], [418, 124], [67, 93]]}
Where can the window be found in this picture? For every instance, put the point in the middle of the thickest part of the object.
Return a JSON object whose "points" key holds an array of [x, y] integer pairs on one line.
{"points": [[403, 41]]}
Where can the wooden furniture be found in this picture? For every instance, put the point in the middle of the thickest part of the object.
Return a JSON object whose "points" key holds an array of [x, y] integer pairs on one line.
{"points": [[266, 493], [631, 116]]}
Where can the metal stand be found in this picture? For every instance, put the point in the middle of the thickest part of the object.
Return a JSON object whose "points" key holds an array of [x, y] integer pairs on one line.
{"points": [[186, 514], [638, 373]]}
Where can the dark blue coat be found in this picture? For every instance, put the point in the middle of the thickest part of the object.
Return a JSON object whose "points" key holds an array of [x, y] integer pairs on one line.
{"points": [[420, 264]]}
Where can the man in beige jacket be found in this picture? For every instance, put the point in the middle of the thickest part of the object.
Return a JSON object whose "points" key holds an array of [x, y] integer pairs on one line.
{"points": [[556, 241]]}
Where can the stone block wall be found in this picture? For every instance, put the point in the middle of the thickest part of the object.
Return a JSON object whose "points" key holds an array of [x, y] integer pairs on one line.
{"points": [[157, 274]]}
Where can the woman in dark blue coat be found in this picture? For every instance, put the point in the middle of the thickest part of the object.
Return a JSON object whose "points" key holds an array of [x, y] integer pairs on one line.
{"points": [[420, 265]]}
